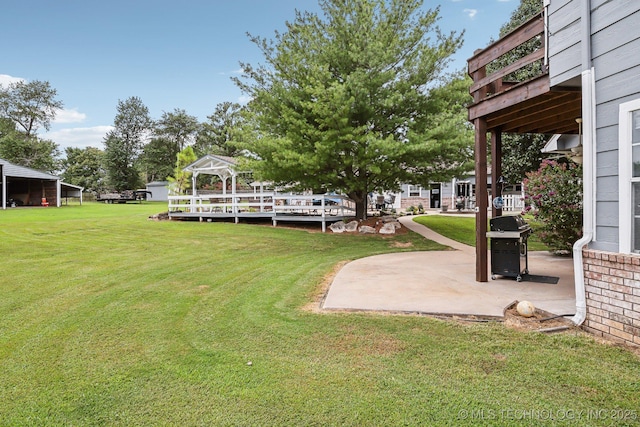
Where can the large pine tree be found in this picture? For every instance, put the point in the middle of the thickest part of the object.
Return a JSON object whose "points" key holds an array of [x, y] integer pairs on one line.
{"points": [[354, 100]]}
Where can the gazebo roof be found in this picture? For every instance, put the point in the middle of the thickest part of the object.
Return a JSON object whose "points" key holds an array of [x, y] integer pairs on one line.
{"points": [[222, 166]]}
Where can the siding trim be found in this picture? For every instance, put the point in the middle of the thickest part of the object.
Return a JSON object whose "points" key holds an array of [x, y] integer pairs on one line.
{"points": [[624, 184]]}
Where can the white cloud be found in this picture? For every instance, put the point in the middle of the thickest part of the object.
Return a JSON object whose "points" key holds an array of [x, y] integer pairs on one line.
{"points": [[79, 137], [471, 12], [244, 99], [224, 73], [69, 116], [5, 79]]}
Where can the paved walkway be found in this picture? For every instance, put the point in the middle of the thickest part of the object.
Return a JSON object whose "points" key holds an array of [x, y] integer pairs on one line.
{"points": [[443, 282]]}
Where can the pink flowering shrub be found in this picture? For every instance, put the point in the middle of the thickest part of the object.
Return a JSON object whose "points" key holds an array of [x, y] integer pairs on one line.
{"points": [[554, 197]]}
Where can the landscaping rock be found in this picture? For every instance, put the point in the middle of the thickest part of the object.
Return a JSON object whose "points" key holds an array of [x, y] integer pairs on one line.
{"points": [[351, 227], [388, 218], [160, 217], [388, 228], [338, 227], [365, 229]]}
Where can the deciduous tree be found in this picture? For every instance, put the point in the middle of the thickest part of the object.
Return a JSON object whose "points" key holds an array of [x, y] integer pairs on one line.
{"points": [[84, 167], [158, 159], [178, 127], [347, 100], [32, 152], [25, 107], [30, 105], [180, 182], [221, 133], [124, 143], [172, 133]]}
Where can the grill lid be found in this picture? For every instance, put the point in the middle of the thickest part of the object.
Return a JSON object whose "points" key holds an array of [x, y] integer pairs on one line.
{"points": [[508, 223]]}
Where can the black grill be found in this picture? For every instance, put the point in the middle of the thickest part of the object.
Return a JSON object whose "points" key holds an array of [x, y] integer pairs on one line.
{"points": [[509, 236], [509, 223]]}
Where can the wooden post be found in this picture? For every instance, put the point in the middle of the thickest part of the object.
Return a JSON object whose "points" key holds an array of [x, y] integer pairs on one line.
{"points": [[481, 199], [496, 169]]}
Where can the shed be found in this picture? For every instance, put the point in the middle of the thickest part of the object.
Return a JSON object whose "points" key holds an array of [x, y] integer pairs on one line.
{"points": [[159, 191], [22, 186]]}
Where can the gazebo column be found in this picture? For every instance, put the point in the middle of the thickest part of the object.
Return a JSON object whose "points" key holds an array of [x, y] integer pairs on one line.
{"points": [[496, 169], [481, 200], [224, 192], [194, 177], [194, 191], [234, 201]]}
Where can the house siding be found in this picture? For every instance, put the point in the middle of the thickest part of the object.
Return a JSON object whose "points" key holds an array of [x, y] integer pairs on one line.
{"points": [[612, 279], [615, 42], [564, 41]]}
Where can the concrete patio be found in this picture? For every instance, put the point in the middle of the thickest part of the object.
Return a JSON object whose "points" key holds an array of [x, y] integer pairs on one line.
{"points": [[443, 282]]}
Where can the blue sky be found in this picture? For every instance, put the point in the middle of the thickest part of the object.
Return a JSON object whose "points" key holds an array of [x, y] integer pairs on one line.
{"points": [[172, 54]]}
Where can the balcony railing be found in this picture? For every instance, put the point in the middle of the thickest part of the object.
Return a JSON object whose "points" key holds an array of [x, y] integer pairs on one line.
{"points": [[491, 78]]}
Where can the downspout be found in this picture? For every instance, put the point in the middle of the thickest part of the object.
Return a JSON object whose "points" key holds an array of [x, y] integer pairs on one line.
{"points": [[588, 147]]}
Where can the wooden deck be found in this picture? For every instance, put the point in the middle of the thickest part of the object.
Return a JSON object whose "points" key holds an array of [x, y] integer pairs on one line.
{"points": [[530, 106], [275, 207]]}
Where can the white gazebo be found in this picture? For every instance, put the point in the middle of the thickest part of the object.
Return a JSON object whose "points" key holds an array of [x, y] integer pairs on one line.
{"points": [[262, 201]]}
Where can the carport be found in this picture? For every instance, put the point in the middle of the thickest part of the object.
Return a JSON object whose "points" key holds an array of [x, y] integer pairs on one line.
{"points": [[22, 186]]}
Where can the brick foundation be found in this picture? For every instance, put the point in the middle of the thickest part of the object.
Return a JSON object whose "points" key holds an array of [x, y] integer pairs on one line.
{"points": [[612, 287], [424, 201], [414, 201]]}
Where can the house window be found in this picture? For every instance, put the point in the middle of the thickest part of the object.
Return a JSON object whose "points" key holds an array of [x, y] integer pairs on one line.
{"points": [[415, 191], [629, 180]]}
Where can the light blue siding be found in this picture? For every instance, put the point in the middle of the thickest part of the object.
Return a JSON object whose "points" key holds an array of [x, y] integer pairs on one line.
{"points": [[615, 42], [615, 55], [564, 41]]}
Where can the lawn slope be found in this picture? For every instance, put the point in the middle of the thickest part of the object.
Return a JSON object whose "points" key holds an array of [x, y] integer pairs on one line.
{"points": [[107, 318]]}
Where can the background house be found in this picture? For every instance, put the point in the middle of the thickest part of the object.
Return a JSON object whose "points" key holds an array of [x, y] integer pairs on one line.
{"points": [[444, 195]]}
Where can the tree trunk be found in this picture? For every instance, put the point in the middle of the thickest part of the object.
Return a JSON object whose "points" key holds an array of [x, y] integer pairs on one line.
{"points": [[360, 197]]}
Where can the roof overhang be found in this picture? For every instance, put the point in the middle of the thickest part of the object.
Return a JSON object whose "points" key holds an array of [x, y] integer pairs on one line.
{"points": [[70, 190]]}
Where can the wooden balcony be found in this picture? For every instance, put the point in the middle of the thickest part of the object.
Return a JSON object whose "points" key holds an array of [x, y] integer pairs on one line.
{"points": [[527, 106], [515, 98]]}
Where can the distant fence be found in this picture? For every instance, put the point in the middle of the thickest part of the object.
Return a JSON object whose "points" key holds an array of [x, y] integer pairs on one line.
{"points": [[512, 203]]}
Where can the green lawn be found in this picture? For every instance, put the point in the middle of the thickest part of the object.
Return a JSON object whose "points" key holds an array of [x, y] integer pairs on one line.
{"points": [[107, 318], [463, 229]]}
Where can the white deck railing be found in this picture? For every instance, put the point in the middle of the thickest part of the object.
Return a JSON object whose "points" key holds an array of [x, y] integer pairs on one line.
{"points": [[512, 203], [263, 203]]}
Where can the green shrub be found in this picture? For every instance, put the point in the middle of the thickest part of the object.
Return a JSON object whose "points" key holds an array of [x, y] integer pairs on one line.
{"points": [[554, 197]]}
